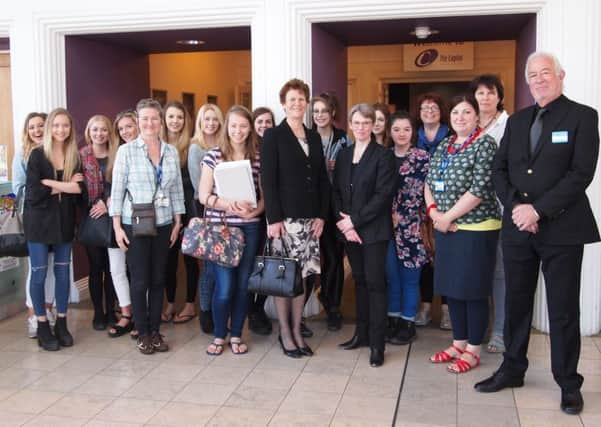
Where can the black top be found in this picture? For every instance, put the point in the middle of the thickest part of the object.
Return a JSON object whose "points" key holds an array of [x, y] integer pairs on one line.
{"points": [[103, 163], [294, 185], [554, 178], [365, 191], [46, 217]]}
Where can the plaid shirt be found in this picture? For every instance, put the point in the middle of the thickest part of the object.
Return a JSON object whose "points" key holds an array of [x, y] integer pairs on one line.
{"points": [[93, 175], [134, 172]]}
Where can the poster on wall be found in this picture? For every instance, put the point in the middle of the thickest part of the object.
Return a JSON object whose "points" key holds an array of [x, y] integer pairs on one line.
{"points": [[438, 56]]}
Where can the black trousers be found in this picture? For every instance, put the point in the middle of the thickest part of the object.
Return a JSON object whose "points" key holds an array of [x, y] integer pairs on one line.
{"points": [[192, 274], [100, 282], [147, 261], [368, 263], [332, 273], [561, 267]]}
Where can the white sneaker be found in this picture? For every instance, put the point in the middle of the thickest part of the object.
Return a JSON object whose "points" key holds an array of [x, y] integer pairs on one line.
{"points": [[32, 326], [51, 317], [445, 320], [423, 318]]}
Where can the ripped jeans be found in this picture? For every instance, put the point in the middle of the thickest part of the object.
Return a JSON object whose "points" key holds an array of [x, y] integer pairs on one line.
{"points": [[38, 258]]}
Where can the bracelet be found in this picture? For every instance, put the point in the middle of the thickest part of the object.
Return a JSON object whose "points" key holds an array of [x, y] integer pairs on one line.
{"points": [[430, 207]]}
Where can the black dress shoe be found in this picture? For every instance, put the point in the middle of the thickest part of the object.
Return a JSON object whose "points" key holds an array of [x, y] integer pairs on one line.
{"points": [[498, 381], [295, 353], [376, 357], [353, 343], [305, 331], [571, 402], [306, 350]]}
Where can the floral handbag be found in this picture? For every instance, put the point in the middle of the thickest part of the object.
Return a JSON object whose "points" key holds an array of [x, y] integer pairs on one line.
{"points": [[213, 241]]}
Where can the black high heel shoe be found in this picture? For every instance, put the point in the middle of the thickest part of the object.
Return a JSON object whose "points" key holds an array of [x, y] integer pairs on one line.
{"points": [[295, 353], [306, 350]]}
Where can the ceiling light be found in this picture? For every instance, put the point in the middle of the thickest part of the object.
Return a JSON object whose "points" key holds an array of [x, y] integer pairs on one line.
{"points": [[423, 32], [190, 42]]}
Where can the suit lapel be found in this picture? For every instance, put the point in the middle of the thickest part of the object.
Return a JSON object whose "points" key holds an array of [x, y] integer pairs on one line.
{"points": [[293, 137]]}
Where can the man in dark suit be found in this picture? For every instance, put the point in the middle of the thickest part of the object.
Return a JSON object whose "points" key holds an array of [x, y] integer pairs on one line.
{"points": [[545, 162]]}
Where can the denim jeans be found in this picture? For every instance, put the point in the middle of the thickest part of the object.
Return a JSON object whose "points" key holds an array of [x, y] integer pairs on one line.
{"points": [[403, 286], [38, 257], [230, 298]]}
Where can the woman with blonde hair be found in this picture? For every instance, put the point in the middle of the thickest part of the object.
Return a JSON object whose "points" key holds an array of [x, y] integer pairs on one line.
{"points": [[177, 130], [208, 134], [32, 136], [126, 126], [54, 183], [97, 159]]}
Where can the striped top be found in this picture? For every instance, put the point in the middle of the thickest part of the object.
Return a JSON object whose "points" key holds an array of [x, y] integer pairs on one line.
{"points": [[211, 160]]}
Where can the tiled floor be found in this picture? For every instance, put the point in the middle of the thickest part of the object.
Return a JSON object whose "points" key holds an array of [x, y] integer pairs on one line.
{"points": [[107, 382]]}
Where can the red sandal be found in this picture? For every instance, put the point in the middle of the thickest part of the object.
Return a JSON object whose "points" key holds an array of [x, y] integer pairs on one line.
{"points": [[461, 366], [444, 357]]}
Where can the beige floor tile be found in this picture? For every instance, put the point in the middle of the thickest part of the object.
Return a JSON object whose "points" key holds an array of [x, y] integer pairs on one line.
{"points": [[413, 414], [589, 350], [540, 417], [105, 348], [239, 417], [589, 367], [248, 360], [103, 385], [30, 401], [130, 368], [318, 365], [275, 359], [190, 357], [378, 409], [373, 387], [83, 365], [537, 398], [102, 423], [429, 391], [266, 378], [592, 403], [153, 389], [47, 361], [174, 371], [205, 393], [53, 420], [78, 406], [14, 419], [300, 419], [482, 415], [5, 393], [339, 421], [592, 383], [255, 398], [222, 375], [308, 381], [591, 420], [310, 402], [9, 358], [178, 414], [130, 410], [17, 377], [23, 344], [59, 381], [467, 395]]}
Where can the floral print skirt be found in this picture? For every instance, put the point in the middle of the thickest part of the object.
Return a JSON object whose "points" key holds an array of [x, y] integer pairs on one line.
{"points": [[300, 244]]}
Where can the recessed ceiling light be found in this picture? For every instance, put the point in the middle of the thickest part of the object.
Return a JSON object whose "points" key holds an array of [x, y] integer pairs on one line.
{"points": [[190, 42], [423, 32]]}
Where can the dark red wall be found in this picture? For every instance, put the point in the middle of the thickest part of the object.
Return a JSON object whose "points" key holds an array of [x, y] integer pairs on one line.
{"points": [[101, 79], [525, 45], [330, 68]]}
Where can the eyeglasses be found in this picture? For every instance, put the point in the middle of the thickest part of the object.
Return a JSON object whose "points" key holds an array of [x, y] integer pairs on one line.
{"points": [[430, 109]]}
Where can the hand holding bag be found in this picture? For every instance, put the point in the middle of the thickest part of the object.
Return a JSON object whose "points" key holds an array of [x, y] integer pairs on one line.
{"points": [[278, 276]]}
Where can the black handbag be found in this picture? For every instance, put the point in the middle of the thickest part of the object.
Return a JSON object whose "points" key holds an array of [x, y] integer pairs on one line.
{"points": [[96, 232], [143, 217], [12, 233], [278, 276]]}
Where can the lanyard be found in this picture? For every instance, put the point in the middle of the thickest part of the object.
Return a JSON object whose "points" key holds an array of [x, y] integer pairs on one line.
{"points": [[450, 152], [158, 171]]}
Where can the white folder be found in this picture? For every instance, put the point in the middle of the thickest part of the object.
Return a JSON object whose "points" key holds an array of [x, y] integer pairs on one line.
{"points": [[234, 181]]}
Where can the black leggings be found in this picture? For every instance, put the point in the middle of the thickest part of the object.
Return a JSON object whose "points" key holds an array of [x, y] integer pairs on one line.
{"points": [[469, 318], [100, 281], [192, 274]]}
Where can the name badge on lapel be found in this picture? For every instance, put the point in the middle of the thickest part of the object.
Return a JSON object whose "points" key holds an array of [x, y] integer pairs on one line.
{"points": [[439, 185], [559, 137]]}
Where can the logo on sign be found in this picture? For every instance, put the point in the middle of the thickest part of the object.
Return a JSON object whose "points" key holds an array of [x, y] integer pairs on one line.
{"points": [[426, 57]]}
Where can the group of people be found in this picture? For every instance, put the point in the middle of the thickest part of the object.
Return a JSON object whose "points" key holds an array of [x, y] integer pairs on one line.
{"points": [[410, 199]]}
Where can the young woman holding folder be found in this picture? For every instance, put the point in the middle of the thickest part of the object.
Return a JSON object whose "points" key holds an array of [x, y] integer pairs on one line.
{"points": [[230, 298]]}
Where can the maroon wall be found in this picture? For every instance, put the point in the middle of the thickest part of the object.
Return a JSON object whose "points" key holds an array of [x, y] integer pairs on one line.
{"points": [[525, 45], [4, 43], [101, 79], [330, 68]]}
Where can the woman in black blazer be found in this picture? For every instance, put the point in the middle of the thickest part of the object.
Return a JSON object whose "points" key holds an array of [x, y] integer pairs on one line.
{"points": [[364, 184], [297, 194]]}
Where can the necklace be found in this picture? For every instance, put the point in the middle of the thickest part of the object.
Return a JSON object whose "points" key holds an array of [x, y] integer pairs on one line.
{"points": [[494, 117]]}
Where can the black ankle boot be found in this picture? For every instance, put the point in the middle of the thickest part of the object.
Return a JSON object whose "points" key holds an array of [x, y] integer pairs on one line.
{"points": [[392, 328], [405, 333], [63, 335], [206, 321], [45, 338]]}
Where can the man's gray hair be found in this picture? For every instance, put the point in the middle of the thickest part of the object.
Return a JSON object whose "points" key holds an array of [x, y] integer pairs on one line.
{"points": [[541, 54]]}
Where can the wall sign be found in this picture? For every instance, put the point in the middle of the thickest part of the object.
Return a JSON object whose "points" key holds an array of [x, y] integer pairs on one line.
{"points": [[438, 56]]}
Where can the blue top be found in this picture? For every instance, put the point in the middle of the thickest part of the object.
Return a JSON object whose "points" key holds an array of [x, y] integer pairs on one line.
{"points": [[430, 146], [19, 172]]}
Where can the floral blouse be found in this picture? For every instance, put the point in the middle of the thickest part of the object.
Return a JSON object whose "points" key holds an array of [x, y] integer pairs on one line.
{"points": [[408, 207], [469, 170]]}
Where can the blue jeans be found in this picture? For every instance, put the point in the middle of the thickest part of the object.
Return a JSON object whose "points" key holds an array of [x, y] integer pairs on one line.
{"points": [[403, 286], [206, 286], [230, 298], [38, 257]]}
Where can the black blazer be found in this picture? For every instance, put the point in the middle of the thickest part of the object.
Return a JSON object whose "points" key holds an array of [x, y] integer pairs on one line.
{"points": [[555, 177], [368, 196], [46, 219], [294, 185]]}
